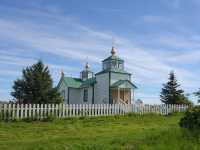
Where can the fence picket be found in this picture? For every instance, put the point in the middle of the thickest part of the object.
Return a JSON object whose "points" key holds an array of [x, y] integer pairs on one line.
{"points": [[52, 108], [9, 111], [13, 111]]}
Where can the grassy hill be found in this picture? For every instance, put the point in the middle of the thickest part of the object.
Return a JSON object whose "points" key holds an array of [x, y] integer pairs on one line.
{"points": [[148, 132]]}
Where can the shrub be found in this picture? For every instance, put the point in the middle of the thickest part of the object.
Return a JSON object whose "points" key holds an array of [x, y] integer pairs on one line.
{"points": [[191, 120]]}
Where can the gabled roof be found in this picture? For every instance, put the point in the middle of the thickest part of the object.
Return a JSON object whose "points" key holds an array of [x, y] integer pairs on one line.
{"points": [[77, 82], [123, 84], [72, 82]]}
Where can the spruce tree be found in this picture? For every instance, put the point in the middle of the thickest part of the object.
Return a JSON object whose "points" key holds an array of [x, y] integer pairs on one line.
{"points": [[198, 95], [171, 92], [35, 86]]}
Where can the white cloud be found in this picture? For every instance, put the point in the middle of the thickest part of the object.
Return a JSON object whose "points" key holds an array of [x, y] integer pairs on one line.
{"points": [[79, 42]]}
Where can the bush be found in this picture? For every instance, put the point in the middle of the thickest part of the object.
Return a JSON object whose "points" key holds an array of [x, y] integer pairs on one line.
{"points": [[191, 120]]}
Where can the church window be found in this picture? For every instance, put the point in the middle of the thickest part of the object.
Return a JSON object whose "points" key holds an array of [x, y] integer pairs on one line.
{"points": [[114, 64], [85, 95], [120, 66]]}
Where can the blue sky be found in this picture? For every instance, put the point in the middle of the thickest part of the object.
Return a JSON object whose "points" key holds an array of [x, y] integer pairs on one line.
{"points": [[153, 37]]}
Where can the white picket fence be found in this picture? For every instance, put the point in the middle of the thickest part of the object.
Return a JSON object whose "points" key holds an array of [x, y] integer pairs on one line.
{"points": [[41, 111]]}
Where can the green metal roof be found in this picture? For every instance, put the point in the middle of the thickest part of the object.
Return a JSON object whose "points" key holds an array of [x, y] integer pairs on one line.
{"points": [[88, 82], [113, 57], [114, 71], [73, 82], [78, 83], [123, 84]]}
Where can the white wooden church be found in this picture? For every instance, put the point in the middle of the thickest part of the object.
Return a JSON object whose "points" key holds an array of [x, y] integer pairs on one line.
{"points": [[110, 86]]}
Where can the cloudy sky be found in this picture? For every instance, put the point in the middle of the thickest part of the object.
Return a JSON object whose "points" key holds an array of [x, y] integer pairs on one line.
{"points": [[153, 37]]}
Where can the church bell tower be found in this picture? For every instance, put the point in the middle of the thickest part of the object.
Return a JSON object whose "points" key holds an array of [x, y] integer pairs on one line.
{"points": [[86, 73], [113, 62]]}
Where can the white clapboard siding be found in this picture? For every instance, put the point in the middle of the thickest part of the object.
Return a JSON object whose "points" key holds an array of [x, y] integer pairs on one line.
{"points": [[41, 111]]}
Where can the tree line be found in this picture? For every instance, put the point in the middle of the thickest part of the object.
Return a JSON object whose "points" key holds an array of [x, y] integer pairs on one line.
{"points": [[36, 86]]}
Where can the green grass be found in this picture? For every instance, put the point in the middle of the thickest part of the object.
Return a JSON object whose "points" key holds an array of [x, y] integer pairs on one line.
{"points": [[148, 132]]}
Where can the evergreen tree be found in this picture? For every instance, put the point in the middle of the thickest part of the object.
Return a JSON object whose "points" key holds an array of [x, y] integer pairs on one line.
{"points": [[171, 94], [35, 86], [198, 95]]}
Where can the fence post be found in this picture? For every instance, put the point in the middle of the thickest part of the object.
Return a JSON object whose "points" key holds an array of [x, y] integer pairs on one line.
{"points": [[17, 112], [13, 111], [5, 111], [22, 111], [41, 111], [25, 111], [67, 110], [94, 109], [30, 111], [60, 110], [56, 111], [53, 110], [86, 109], [38, 111], [73, 110], [63, 110], [33, 109], [50, 110], [9, 112]]}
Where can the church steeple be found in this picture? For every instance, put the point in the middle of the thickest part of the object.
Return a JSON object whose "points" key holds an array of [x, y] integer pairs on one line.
{"points": [[113, 62], [86, 73]]}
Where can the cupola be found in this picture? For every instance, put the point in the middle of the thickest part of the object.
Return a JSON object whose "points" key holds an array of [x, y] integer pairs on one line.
{"points": [[113, 62], [86, 73]]}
